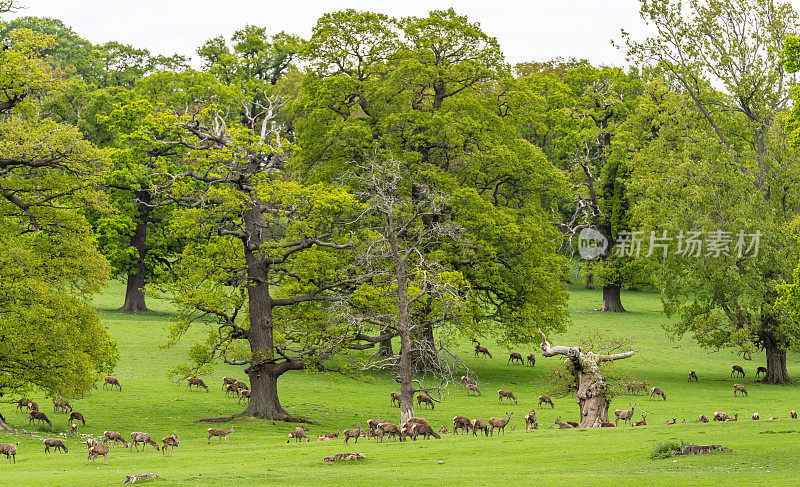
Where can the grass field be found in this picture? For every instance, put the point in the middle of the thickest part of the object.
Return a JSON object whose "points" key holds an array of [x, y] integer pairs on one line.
{"points": [[764, 452]]}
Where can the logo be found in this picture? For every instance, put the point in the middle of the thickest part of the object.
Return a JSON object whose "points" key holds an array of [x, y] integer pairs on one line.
{"points": [[591, 244]]}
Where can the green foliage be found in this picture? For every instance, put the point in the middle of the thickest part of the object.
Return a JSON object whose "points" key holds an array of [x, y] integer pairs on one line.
{"points": [[664, 450]]}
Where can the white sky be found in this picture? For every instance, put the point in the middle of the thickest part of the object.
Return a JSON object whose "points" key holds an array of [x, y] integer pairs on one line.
{"points": [[526, 30]]}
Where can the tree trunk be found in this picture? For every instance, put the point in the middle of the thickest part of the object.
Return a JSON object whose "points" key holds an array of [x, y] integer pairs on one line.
{"points": [[591, 399], [385, 347], [3, 425], [424, 357], [590, 280], [134, 292], [776, 364], [611, 299], [404, 375], [264, 402]]}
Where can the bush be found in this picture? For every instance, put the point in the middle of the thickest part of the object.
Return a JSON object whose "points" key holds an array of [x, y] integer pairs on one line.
{"points": [[663, 450]]}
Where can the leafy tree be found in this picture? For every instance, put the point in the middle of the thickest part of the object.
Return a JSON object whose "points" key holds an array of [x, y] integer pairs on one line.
{"points": [[52, 337], [721, 164]]}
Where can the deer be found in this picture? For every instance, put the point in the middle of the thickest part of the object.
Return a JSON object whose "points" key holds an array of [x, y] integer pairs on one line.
{"points": [[738, 370], [114, 437], [331, 436], [530, 419], [389, 429], [461, 422], [424, 398], [90, 442], [395, 396], [22, 403], [55, 444], [298, 434], [720, 416], [39, 416], [562, 425], [143, 438], [515, 357], [473, 388], [245, 394], [9, 450], [77, 417], [60, 405], [420, 428], [636, 386], [704, 419], [172, 441], [228, 381], [220, 433], [479, 425], [231, 388], [531, 359], [196, 381], [73, 430], [504, 393], [734, 418], [352, 433], [546, 400], [480, 349], [113, 382], [372, 426], [755, 417], [793, 414], [641, 422], [33, 406], [657, 391], [692, 375], [466, 380], [500, 423], [624, 414], [96, 451], [761, 370], [739, 388], [668, 422]]}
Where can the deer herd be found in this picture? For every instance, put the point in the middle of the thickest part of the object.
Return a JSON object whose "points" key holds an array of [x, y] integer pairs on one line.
{"points": [[379, 429]]}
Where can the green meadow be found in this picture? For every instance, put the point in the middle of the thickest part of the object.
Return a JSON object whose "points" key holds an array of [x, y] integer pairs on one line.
{"points": [[764, 452]]}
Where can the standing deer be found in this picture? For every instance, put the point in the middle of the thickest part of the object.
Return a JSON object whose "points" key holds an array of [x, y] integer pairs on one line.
{"points": [[530, 419], [424, 398], [461, 422], [500, 423], [507, 394], [531, 359], [546, 400], [480, 349], [113, 381], [761, 370], [738, 370], [692, 375], [657, 391], [624, 414], [395, 397], [218, 432], [198, 382], [515, 357], [739, 388]]}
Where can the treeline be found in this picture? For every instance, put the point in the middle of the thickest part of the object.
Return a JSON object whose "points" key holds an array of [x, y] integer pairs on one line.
{"points": [[392, 178]]}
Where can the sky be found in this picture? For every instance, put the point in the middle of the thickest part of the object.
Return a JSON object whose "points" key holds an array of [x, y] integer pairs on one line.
{"points": [[526, 30]]}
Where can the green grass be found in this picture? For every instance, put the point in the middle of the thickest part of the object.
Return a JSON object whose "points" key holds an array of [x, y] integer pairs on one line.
{"points": [[764, 452]]}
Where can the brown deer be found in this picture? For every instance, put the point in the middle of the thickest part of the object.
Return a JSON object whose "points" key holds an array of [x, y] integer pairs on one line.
{"points": [[755, 417], [657, 391], [739, 388], [77, 417], [692, 375], [461, 422], [793, 414], [667, 422], [734, 418], [562, 425], [395, 398], [60, 405], [466, 380], [73, 430], [479, 425], [39, 416], [720, 416], [9, 450], [473, 388], [546, 400], [171, 441], [55, 444], [624, 414], [96, 451], [114, 437], [220, 433], [636, 386], [641, 422], [143, 438], [738, 370], [298, 434], [761, 370], [352, 433], [196, 381], [503, 393], [704, 419], [424, 398], [113, 381], [530, 419], [515, 357], [228, 381], [499, 423], [22, 403], [531, 359], [480, 349], [390, 430]]}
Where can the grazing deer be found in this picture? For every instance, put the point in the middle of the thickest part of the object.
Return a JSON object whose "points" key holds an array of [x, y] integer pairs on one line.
{"points": [[704, 419], [461, 422], [738, 370], [39, 416], [636, 386], [479, 425], [531, 359], [793, 414], [60, 405], [228, 381], [692, 375], [473, 388], [114, 437], [466, 380], [739, 388], [298, 434], [657, 391], [480, 349], [196, 381], [143, 438], [761, 370], [395, 398], [22, 403], [73, 430], [96, 451], [9, 450], [55, 444], [424, 398], [546, 400], [503, 393], [624, 414], [113, 381], [515, 357], [77, 417]]}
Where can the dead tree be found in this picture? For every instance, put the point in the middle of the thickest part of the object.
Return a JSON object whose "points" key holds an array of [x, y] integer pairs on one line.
{"points": [[585, 367]]}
